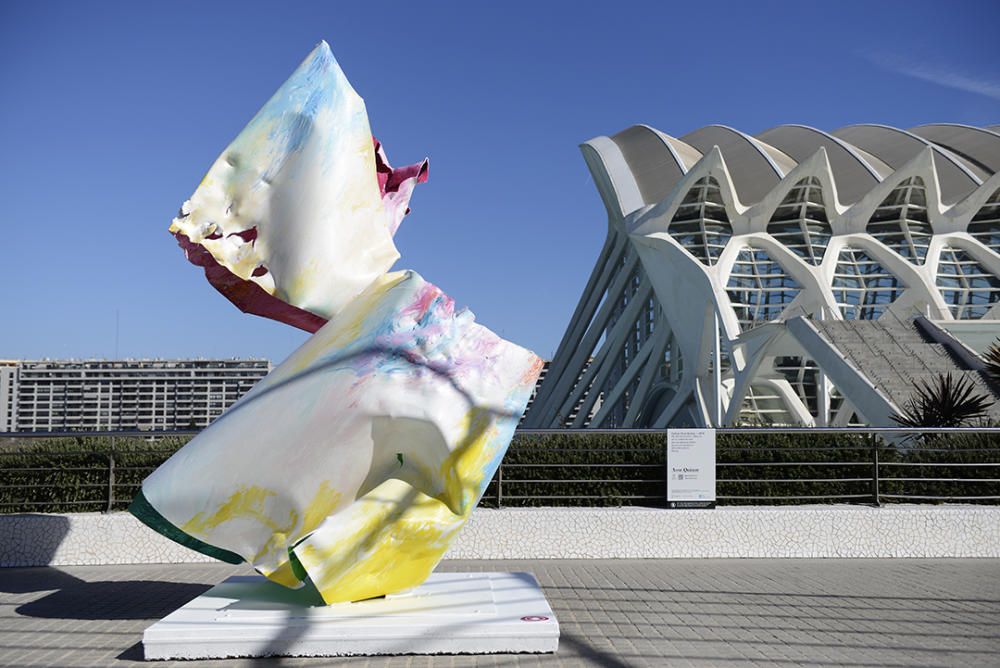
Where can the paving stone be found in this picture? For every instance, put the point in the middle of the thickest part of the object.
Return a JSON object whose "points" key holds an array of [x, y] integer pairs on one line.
{"points": [[613, 613]]}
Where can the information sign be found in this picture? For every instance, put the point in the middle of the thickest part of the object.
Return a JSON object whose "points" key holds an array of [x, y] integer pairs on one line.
{"points": [[691, 468]]}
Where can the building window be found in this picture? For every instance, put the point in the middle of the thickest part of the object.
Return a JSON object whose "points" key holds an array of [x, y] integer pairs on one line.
{"points": [[985, 225], [968, 289], [900, 221], [701, 223], [758, 288], [862, 287], [800, 221]]}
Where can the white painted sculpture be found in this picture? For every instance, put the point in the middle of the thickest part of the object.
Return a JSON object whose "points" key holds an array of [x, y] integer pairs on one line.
{"points": [[356, 461]]}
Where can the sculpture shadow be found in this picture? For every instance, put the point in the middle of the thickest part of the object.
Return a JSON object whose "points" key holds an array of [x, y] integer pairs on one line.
{"points": [[74, 598], [27, 580]]}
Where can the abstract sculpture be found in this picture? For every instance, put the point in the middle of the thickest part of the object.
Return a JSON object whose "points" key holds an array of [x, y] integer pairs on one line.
{"points": [[356, 461]]}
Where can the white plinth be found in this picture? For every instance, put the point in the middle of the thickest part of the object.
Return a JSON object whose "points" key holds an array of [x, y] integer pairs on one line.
{"points": [[450, 613]]}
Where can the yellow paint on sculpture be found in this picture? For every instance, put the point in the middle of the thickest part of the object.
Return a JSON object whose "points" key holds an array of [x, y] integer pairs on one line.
{"points": [[250, 503], [394, 536], [393, 540], [463, 469], [283, 575], [245, 502], [272, 559], [323, 503], [403, 557]]}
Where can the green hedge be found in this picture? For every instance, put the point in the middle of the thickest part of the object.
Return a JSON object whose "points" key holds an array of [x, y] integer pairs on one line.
{"points": [[965, 465], [817, 468], [636, 465], [581, 470], [72, 475]]}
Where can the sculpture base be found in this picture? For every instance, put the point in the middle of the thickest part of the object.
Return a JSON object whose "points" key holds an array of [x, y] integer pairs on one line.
{"points": [[450, 613]]}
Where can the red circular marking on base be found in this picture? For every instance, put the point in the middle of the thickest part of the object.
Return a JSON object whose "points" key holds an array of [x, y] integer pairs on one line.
{"points": [[534, 618]]}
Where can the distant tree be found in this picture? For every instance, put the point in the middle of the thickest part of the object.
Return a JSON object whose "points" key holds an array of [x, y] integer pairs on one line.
{"points": [[948, 401]]}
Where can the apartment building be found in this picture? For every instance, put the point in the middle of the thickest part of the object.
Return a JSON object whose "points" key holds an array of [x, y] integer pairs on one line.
{"points": [[148, 395]]}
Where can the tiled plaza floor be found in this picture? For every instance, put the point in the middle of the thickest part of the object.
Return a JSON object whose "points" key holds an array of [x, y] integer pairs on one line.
{"points": [[621, 613]]}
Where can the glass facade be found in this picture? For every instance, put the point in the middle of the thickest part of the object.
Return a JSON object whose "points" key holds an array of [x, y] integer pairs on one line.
{"points": [[802, 374], [985, 225], [900, 221], [701, 223], [968, 289], [862, 287], [800, 221], [758, 288]]}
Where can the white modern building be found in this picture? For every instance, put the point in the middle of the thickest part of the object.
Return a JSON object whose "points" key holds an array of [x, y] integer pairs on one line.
{"points": [[794, 277], [147, 395]]}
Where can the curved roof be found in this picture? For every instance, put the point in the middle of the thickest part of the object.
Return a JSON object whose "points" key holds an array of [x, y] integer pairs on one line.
{"points": [[754, 166], [896, 147], [648, 164], [612, 176], [684, 152], [655, 163], [978, 146], [855, 171]]}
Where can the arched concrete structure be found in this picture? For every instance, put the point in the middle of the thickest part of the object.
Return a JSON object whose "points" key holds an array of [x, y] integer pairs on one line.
{"points": [[751, 279]]}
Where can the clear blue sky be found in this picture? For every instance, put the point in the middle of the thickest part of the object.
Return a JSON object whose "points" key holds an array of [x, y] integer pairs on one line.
{"points": [[111, 112]]}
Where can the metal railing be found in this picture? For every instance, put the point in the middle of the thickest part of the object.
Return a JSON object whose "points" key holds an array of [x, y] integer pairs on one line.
{"points": [[81, 476], [102, 471], [875, 465]]}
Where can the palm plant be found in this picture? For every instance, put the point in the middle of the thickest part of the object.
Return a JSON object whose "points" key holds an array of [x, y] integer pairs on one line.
{"points": [[947, 401], [992, 359]]}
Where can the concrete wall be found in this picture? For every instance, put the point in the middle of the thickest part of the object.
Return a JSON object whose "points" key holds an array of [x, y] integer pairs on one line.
{"points": [[577, 533]]}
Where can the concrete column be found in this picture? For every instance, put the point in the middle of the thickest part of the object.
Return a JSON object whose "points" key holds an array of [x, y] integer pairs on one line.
{"points": [[716, 371], [822, 399], [675, 370]]}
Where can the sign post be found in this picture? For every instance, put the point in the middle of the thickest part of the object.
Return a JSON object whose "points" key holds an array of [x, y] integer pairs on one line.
{"points": [[691, 468]]}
